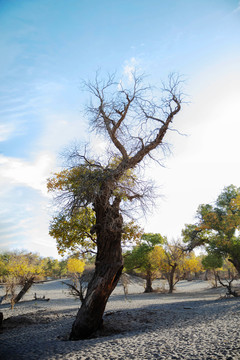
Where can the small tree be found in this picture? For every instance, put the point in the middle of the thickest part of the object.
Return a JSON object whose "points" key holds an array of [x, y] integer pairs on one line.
{"points": [[134, 125], [192, 265], [51, 267], [75, 267], [63, 268], [140, 258], [213, 262], [228, 285], [170, 260]]}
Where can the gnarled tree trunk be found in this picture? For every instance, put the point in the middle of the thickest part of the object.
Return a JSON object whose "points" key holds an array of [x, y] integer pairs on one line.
{"points": [[109, 265], [96, 184], [170, 279], [148, 287]]}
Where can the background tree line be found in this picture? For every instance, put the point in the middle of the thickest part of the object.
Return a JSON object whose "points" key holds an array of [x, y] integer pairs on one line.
{"points": [[20, 270], [150, 255]]}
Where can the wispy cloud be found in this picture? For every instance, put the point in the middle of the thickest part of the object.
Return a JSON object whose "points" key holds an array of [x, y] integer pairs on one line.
{"points": [[6, 131], [130, 67], [24, 223], [237, 8], [30, 174]]}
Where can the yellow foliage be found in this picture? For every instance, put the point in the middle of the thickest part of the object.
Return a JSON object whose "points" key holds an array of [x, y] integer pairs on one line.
{"points": [[174, 256], [21, 266], [75, 265], [235, 204], [193, 264]]}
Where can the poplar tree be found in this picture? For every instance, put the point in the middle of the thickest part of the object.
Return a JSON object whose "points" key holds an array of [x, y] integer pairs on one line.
{"points": [[134, 125]]}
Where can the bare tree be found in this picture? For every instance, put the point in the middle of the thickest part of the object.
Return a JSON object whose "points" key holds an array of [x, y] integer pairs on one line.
{"points": [[230, 290], [134, 126]]}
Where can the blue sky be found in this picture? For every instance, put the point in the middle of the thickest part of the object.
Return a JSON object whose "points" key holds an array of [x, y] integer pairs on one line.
{"points": [[48, 46]]}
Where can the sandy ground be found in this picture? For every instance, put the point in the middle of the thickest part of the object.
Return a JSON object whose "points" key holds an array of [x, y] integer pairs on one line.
{"points": [[193, 323]]}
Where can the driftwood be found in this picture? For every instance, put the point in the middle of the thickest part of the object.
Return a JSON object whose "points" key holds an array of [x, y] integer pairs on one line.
{"points": [[40, 298], [230, 291]]}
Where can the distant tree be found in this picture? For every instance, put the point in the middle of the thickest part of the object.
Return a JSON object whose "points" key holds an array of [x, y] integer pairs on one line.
{"points": [[134, 125], [4, 258], [172, 262], [218, 227], [51, 267], [63, 268], [192, 265], [2, 268], [75, 266], [229, 269], [214, 262], [22, 270], [139, 258]]}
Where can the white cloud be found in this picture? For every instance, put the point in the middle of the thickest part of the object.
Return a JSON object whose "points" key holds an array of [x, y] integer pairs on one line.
{"points": [[16, 171], [129, 68], [207, 160]]}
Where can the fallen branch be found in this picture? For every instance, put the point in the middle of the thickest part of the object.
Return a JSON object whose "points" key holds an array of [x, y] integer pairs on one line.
{"points": [[74, 291], [40, 298]]}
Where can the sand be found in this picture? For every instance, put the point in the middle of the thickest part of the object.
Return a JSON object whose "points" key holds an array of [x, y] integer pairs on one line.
{"points": [[193, 323]]}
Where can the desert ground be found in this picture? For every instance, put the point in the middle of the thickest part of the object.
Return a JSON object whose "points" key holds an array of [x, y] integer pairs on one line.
{"points": [[195, 322]]}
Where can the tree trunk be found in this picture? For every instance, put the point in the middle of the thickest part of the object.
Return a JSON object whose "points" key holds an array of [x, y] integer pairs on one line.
{"points": [[206, 275], [148, 287], [236, 263], [171, 279], [109, 265], [170, 282], [215, 278], [1, 319], [28, 283]]}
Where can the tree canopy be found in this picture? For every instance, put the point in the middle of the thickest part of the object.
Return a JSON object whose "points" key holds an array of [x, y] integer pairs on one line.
{"points": [[134, 125], [218, 226], [140, 258]]}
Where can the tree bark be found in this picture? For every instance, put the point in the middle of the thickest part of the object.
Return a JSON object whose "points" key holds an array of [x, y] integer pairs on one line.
{"points": [[148, 287], [236, 263], [206, 275], [109, 265]]}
